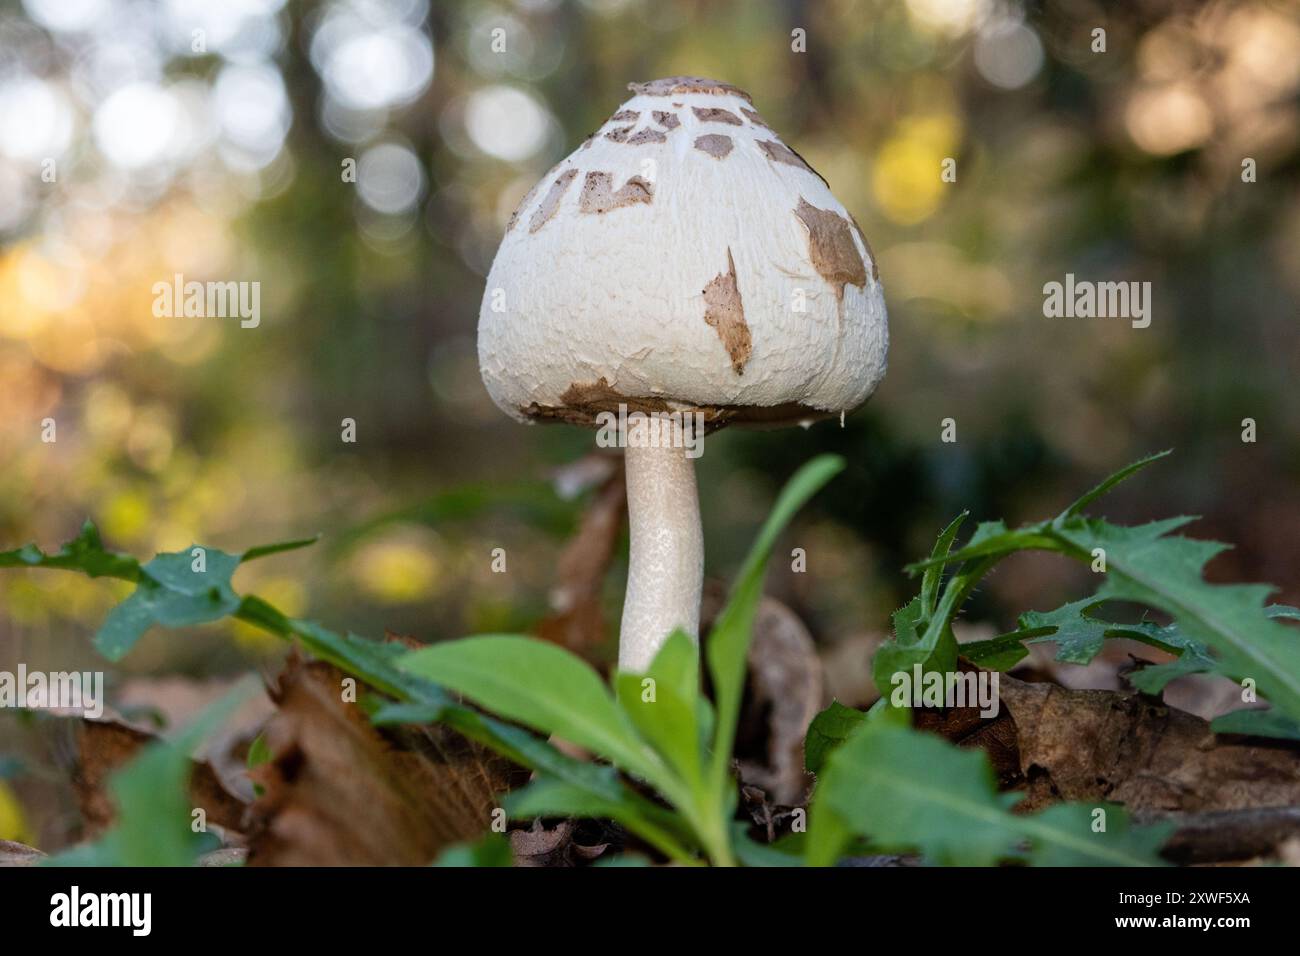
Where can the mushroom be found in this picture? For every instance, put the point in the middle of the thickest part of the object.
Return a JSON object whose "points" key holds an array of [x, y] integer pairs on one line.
{"points": [[681, 260]]}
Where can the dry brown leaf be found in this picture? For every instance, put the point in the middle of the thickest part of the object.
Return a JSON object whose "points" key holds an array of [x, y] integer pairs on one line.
{"points": [[568, 843], [18, 854], [996, 736], [103, 746], [181, 699], [1095, 745], [577, 620], [784, 691], [1221, 835], [341, 792]]}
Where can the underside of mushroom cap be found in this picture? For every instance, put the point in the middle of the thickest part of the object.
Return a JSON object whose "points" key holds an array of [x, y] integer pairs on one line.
{"points": [[683, 258]]}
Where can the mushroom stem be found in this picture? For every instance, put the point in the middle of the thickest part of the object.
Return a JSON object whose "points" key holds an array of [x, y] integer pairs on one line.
{"points": [[666, 563]]}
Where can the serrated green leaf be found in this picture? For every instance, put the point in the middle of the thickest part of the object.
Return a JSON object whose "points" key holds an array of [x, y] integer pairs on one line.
{"points": [[170, 592], [1078, 637], [934, 574], [1149, 565], [934, 648], [1153, 679], [84, 553], [1000, 653], [1110, 482], [540, 685], [828, 730], [992, 540]]}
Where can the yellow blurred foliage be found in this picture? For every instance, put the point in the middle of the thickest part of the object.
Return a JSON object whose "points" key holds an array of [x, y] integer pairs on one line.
{"points": [[906, 179], [13, 822], [398, 570]]}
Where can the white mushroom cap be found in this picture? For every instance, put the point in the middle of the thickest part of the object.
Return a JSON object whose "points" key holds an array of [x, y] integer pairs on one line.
{"points": [[683, 258]]}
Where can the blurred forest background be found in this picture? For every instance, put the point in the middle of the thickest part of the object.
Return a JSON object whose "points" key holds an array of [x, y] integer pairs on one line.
{"points": [[225, 163]]}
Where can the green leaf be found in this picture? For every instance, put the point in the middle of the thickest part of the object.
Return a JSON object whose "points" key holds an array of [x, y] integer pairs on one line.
{"points": [[540, 685], [258, 753], [828, 730], [622, 861], [787, 851], [1148, 565], [549, 797], [492, 850], [388, 713], [1257, 723], [1064, 835], [728, 644], [668, 718], [375, 662], [263, 550], [906, 790], [600, 783], [1110, 482]]}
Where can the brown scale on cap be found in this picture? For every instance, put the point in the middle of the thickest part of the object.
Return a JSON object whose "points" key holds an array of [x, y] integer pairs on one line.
{"points": [[715, 144], [667, 119], [619, 135], [726, 313], [781, 153], [875, 272], [688, 84], [598, 193], [711, 114], [528, 198], [647, 135], [531, 195], [552, 201], [625, 116], [753, 117], [831, 248]]}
